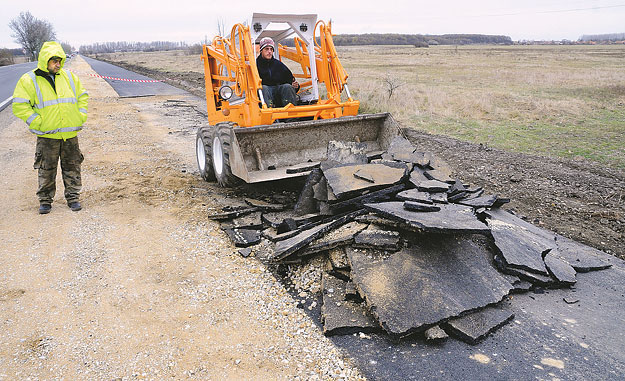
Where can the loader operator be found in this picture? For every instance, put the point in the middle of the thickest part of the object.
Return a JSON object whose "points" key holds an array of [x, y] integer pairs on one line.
{"points": [[53, 103], [279, 84]]}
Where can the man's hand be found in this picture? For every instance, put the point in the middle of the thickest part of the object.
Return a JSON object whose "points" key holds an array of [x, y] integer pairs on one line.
{"points": [[295, 84]]}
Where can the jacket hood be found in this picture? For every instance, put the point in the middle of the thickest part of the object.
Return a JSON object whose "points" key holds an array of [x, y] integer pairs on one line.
{"points": [[49, 50]]}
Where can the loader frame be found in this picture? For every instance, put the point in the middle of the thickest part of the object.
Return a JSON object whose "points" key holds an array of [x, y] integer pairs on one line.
{"points": [[231, 61], [247, 141]]}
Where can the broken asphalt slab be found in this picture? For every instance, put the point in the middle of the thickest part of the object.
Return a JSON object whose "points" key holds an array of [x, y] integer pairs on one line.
{"points": [[249, 221], [581, 257], [479, 202], [399, 145], [432, 186], [372, 238], [528, 276], [435, 174], [524, 245], [559, 269], [520, 249], [478, 325], [450, 219], [275, 219], [416, 206], [414, 195], [418, 369], [547, 339], [291, 245], [341, 236], [339, 315], [344, 184], [243, 237], [437, 278], [385, 194]]}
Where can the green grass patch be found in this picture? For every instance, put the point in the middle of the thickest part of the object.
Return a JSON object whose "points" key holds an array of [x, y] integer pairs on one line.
{"points": [[600, 137]]}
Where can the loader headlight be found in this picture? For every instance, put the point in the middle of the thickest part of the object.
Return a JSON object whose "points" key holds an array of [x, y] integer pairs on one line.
{"points": [[225, 92]]}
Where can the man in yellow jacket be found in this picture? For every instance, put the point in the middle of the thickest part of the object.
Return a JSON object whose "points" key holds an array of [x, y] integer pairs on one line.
{"points": [[54, 105]]}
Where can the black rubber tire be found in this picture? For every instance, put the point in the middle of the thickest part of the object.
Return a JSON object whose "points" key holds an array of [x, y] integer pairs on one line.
{"points": [[222, 135], [204, 138]]}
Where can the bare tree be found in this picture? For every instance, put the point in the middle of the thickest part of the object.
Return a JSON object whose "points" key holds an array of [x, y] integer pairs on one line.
{"points": [[392, 84], [67, 47], [31, 32]]}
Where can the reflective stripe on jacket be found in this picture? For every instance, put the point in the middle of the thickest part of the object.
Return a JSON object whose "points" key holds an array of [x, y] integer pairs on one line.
{"points": [[51, 114]]}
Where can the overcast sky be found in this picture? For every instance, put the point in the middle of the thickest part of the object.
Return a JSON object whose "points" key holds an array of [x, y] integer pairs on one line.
{"points": [[89, 21]]}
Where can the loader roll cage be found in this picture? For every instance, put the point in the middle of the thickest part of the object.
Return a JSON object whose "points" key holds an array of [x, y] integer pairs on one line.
{"points": [[234, 87]]}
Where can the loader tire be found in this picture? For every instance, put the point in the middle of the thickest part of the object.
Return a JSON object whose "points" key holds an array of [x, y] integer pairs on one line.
{"points": [[204, 151], [221, 147]]}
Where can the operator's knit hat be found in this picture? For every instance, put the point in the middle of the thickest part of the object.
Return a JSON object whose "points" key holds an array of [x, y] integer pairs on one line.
{"points": [[267, 41]]}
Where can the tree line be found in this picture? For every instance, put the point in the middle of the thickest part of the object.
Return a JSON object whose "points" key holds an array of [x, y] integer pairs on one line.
{"points": [[603, 37], [123, 46], [423, 40]]}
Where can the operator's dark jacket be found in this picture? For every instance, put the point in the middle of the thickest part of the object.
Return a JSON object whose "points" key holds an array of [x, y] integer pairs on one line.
{"points": [[273, 72]]}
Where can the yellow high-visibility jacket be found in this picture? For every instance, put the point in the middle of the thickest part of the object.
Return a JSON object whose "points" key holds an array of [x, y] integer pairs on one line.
{"points": [[51, 112]]}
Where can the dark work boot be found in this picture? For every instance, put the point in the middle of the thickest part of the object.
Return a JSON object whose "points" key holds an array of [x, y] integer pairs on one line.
{"points": [[45, 208], [74, 206]]}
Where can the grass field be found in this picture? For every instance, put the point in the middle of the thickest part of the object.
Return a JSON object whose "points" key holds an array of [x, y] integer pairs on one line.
{"points": [[562, 101], [566, 101]]}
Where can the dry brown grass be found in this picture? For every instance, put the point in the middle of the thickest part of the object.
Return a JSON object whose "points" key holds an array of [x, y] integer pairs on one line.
{"points": [[555, 100], [487, 82]]}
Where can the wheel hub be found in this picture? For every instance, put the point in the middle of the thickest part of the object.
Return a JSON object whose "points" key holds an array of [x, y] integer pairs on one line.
{"points": [[218, 160], [200, 152]]}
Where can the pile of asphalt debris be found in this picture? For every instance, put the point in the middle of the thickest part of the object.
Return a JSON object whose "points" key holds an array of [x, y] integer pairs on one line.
{"points": [[409, 249]]}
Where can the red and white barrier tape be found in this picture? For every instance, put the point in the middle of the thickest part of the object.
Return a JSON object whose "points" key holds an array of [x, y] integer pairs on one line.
{"points": [[125, 79]]}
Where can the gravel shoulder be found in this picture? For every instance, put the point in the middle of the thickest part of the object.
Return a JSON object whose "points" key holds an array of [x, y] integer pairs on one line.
{"points": [[139, 284]]}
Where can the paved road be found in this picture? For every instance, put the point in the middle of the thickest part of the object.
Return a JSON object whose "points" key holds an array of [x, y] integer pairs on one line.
{"points": [[10, 74], [127, 88], [8, 79], [548, 339]]}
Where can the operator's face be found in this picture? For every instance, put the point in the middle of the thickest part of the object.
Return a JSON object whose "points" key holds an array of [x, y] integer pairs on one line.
{"points": [[267, 52], [54, 65]]}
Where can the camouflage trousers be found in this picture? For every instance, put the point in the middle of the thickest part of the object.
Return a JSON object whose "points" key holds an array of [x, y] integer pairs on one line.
{"points": [[47, 156]]}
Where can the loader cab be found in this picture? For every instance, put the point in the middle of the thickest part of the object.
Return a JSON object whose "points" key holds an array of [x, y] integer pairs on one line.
{"points": [[294, 38]]}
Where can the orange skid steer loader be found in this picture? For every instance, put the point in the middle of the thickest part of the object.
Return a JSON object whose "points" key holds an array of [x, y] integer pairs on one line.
{"points": [[249, 141]]}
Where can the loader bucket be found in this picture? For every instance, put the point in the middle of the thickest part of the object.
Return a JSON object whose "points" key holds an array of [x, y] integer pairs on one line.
{"points": [[284, 150]]}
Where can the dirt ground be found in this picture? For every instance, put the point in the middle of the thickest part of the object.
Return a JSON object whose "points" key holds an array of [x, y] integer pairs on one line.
{"points": [[139, 284], [579, 199]]}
